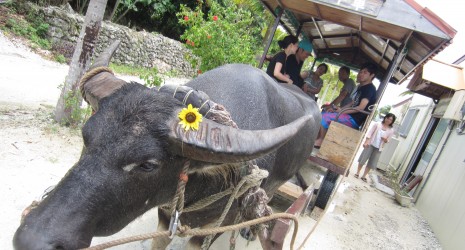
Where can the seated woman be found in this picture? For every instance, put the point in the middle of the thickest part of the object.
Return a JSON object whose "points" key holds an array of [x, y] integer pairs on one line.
{"points": [[277, 67], [313, 82]]}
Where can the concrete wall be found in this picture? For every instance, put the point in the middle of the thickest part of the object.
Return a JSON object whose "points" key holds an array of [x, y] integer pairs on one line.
{"points": [[406, 146], [137, 48], [442, 200], [440, 197]]}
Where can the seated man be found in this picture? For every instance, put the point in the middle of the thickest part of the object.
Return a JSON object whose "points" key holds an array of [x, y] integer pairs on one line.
{"points": [[344, 95], [364, 97]]}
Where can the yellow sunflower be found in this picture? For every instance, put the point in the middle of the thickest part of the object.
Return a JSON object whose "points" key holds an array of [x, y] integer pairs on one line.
{"points": [[190, 118]]}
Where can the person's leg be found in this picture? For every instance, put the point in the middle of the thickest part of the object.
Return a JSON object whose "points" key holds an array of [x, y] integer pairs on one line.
{"points": [[360, 166], [372, 162], [326, 119], [367, 170], [321, 136], [362, 159]]}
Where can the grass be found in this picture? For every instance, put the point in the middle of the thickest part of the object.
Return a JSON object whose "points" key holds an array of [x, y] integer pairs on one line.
{"points": [[150, 76], [138, 71], [129, 70]]}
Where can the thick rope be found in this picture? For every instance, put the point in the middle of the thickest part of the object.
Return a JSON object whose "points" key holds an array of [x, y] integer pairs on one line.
{"points": [[186, 231], [178, 200], [208, 200], [93, 72], [252, 180]]}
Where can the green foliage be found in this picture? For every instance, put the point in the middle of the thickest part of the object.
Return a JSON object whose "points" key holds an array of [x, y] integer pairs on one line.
{"points": [[32, 27], [385, 109], [78, 114], [406, 93], [156, 9], [222, 35], [152, 78], [332, 86], [60, 58], [137, 71], [128, 70], [393, 176]]}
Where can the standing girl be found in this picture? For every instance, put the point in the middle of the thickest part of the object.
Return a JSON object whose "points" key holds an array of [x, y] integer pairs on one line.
{"points": [[277, 66], [378, 135]]}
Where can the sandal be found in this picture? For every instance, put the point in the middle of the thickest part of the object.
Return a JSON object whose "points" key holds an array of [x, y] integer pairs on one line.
{"points": [[356, 175], [364, 179]]}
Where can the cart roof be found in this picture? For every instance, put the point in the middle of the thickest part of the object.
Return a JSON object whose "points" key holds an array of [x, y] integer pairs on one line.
{"points": [[345, 33]]}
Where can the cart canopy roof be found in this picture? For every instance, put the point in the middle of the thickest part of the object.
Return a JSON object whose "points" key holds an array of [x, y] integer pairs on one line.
{"points": [[348, 32]]}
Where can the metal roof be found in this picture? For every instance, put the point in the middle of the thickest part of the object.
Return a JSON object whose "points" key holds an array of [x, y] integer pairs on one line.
{"points": [[436, 79], [345, 33]]}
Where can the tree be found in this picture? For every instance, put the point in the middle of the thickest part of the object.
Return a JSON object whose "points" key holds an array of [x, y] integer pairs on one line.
{"points": [[331, 86], [384, 110], [70, 99]]}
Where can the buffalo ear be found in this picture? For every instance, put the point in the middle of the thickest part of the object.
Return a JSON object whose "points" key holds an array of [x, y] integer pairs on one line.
{"points": [[99, 81]]}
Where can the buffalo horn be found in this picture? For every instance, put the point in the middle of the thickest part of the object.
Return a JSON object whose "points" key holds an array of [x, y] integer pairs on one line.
{"points": [[103, 83], [217, 143]]}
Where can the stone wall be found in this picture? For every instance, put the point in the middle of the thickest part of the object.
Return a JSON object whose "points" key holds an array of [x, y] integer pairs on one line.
{"points": [[136, 49]]}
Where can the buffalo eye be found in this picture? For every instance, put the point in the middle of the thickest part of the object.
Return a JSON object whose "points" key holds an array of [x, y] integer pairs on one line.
{"points": [[148, 166]]}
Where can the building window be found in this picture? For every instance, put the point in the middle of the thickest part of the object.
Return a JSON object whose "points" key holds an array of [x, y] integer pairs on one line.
{"points": [[408, 122]]}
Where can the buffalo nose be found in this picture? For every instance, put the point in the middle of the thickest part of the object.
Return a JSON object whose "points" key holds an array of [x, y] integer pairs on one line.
{"points": [[26, 239]]}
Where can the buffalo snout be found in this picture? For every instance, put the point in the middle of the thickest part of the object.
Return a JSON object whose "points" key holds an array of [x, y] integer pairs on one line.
{"points": [[27, 238]]}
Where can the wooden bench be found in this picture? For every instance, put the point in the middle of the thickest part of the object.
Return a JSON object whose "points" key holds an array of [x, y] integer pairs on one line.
{"points": [[336, 154]]}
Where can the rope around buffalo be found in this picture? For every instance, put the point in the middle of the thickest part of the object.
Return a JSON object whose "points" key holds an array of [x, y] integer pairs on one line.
{"points": [[252, 180], [184, 231]]}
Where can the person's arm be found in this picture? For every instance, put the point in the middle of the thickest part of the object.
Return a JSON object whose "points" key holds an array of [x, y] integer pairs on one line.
{"points": [[304, 74], [314, 91], [389, 135], [369, 134], [360, 107], [277, 73], [340, 97]]}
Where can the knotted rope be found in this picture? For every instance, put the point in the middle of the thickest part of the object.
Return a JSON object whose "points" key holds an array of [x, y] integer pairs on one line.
{"points": [[178, 201], [252, 180], [186, 231]]}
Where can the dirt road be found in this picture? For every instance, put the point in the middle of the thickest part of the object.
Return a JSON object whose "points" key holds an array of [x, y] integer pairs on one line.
{"points": [[35, 153]]}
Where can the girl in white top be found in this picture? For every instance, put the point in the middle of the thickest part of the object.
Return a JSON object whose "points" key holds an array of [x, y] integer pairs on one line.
{"points": [[378, 135]]}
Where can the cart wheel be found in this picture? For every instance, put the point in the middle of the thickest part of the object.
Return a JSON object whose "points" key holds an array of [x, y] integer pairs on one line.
{"points": [[326, 189]]}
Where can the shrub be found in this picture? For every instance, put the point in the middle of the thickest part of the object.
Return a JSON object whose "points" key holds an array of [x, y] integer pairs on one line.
{"points": [[60, 58], [152, 78], [222, 35], [32, 27]]}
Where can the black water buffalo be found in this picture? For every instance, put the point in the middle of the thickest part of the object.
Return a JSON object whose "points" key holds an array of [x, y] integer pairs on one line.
{"points": [[134, 150]]}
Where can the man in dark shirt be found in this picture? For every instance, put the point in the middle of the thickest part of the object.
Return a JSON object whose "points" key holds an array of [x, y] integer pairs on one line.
{"points": [[295, 62], [363, 98]]}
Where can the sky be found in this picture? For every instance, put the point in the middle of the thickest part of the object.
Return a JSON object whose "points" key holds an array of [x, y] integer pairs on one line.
{"points": [[450, 11]]}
